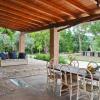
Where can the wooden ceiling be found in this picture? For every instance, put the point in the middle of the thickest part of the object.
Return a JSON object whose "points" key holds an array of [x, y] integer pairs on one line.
{"points": [[35, 15]]}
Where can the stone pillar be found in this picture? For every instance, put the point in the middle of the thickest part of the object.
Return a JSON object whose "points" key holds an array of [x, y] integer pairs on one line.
{"points": [[54, 45], [22, 42]]}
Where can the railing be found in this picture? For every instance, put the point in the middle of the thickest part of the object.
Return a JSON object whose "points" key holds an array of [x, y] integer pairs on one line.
{"points": [[91, 53]]}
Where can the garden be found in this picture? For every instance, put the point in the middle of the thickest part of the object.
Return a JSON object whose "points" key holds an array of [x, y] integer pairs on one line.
{"points": [[72, 40]]}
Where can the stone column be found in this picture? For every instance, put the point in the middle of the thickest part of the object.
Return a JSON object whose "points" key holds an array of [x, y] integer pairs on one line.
{"points": [[22, 42], [54, 45]]}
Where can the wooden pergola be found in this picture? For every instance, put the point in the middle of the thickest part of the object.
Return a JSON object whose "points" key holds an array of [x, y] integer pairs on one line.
{"points": [[36, 15]]}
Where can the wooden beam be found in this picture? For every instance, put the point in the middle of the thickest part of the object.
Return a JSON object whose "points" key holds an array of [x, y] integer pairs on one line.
{"points": [[78, 5], [73, 24], [17, 28], [62, 28], [16, 22], [69, 23], [24, 11], [34, 5], [57, 8], [19, 14], [13, 24], [13, 17]]}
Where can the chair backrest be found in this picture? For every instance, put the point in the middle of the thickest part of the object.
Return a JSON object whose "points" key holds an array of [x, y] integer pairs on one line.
{"points": [[51, 68], [67, 76], [93, 64], [74, 63], [85, 78]]}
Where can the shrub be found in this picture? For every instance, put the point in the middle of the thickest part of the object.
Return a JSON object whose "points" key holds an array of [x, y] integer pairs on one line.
{"points": [[46, 57], [62, 60]]}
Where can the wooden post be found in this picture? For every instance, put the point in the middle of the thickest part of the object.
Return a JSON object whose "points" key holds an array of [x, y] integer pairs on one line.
{"points": [[22, 42], [54, 45]]}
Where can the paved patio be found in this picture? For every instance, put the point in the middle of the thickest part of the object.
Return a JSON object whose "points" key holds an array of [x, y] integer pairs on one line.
{"points": [[34, 88], [27, 82]]}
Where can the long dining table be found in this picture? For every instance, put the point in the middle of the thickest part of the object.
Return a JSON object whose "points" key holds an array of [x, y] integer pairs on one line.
{"points": [[75, 70]]}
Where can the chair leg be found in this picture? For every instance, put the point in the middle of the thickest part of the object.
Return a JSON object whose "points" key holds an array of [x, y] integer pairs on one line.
{"points": [[47, 84], [60, 89], [70, 92], [53, 86], [91, 96], [77, 97], [99, 90], [99, 95]]}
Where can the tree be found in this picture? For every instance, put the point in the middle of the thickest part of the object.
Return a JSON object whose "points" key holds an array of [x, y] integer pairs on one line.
{"points": [[79, 31], [41, 40], [9, 39], [29, 43], [66, 41], [96, 43]]}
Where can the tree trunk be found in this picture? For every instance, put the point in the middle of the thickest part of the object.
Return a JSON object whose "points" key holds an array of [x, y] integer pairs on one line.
{"points": [[80, 42]]}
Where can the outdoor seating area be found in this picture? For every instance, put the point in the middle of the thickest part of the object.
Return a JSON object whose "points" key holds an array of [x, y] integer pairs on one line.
{"points": [[75, 81], [41, 80], [49, 49], [25, 82]]}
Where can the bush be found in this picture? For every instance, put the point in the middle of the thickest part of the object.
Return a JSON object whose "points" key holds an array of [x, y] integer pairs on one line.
{"points": [[46, 57], [62, 60]]}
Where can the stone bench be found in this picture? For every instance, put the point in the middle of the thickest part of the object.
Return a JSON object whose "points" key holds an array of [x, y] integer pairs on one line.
{"points": [[11, 62]]}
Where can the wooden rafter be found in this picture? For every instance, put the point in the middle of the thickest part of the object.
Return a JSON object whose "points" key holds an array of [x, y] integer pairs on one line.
{"points": [[35, 15], [38, 8], [26, 10], [16, 13], [70, 22], [30, 16], [15, 17], [78, 5], [57, 8]]}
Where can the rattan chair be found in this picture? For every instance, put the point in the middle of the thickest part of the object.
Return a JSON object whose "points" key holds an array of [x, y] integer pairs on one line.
{"points": [[74, 63], [68, 82], [52, 74], [93, 64], [86, 87]]}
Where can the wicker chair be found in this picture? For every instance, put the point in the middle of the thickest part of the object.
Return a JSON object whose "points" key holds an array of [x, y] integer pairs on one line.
{"points": [[68, 82], [74, 63], [86, 87], [52, 74]]}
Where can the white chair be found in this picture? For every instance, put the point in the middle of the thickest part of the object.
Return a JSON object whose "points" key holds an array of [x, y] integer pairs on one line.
{"points": [[86, 87]]}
